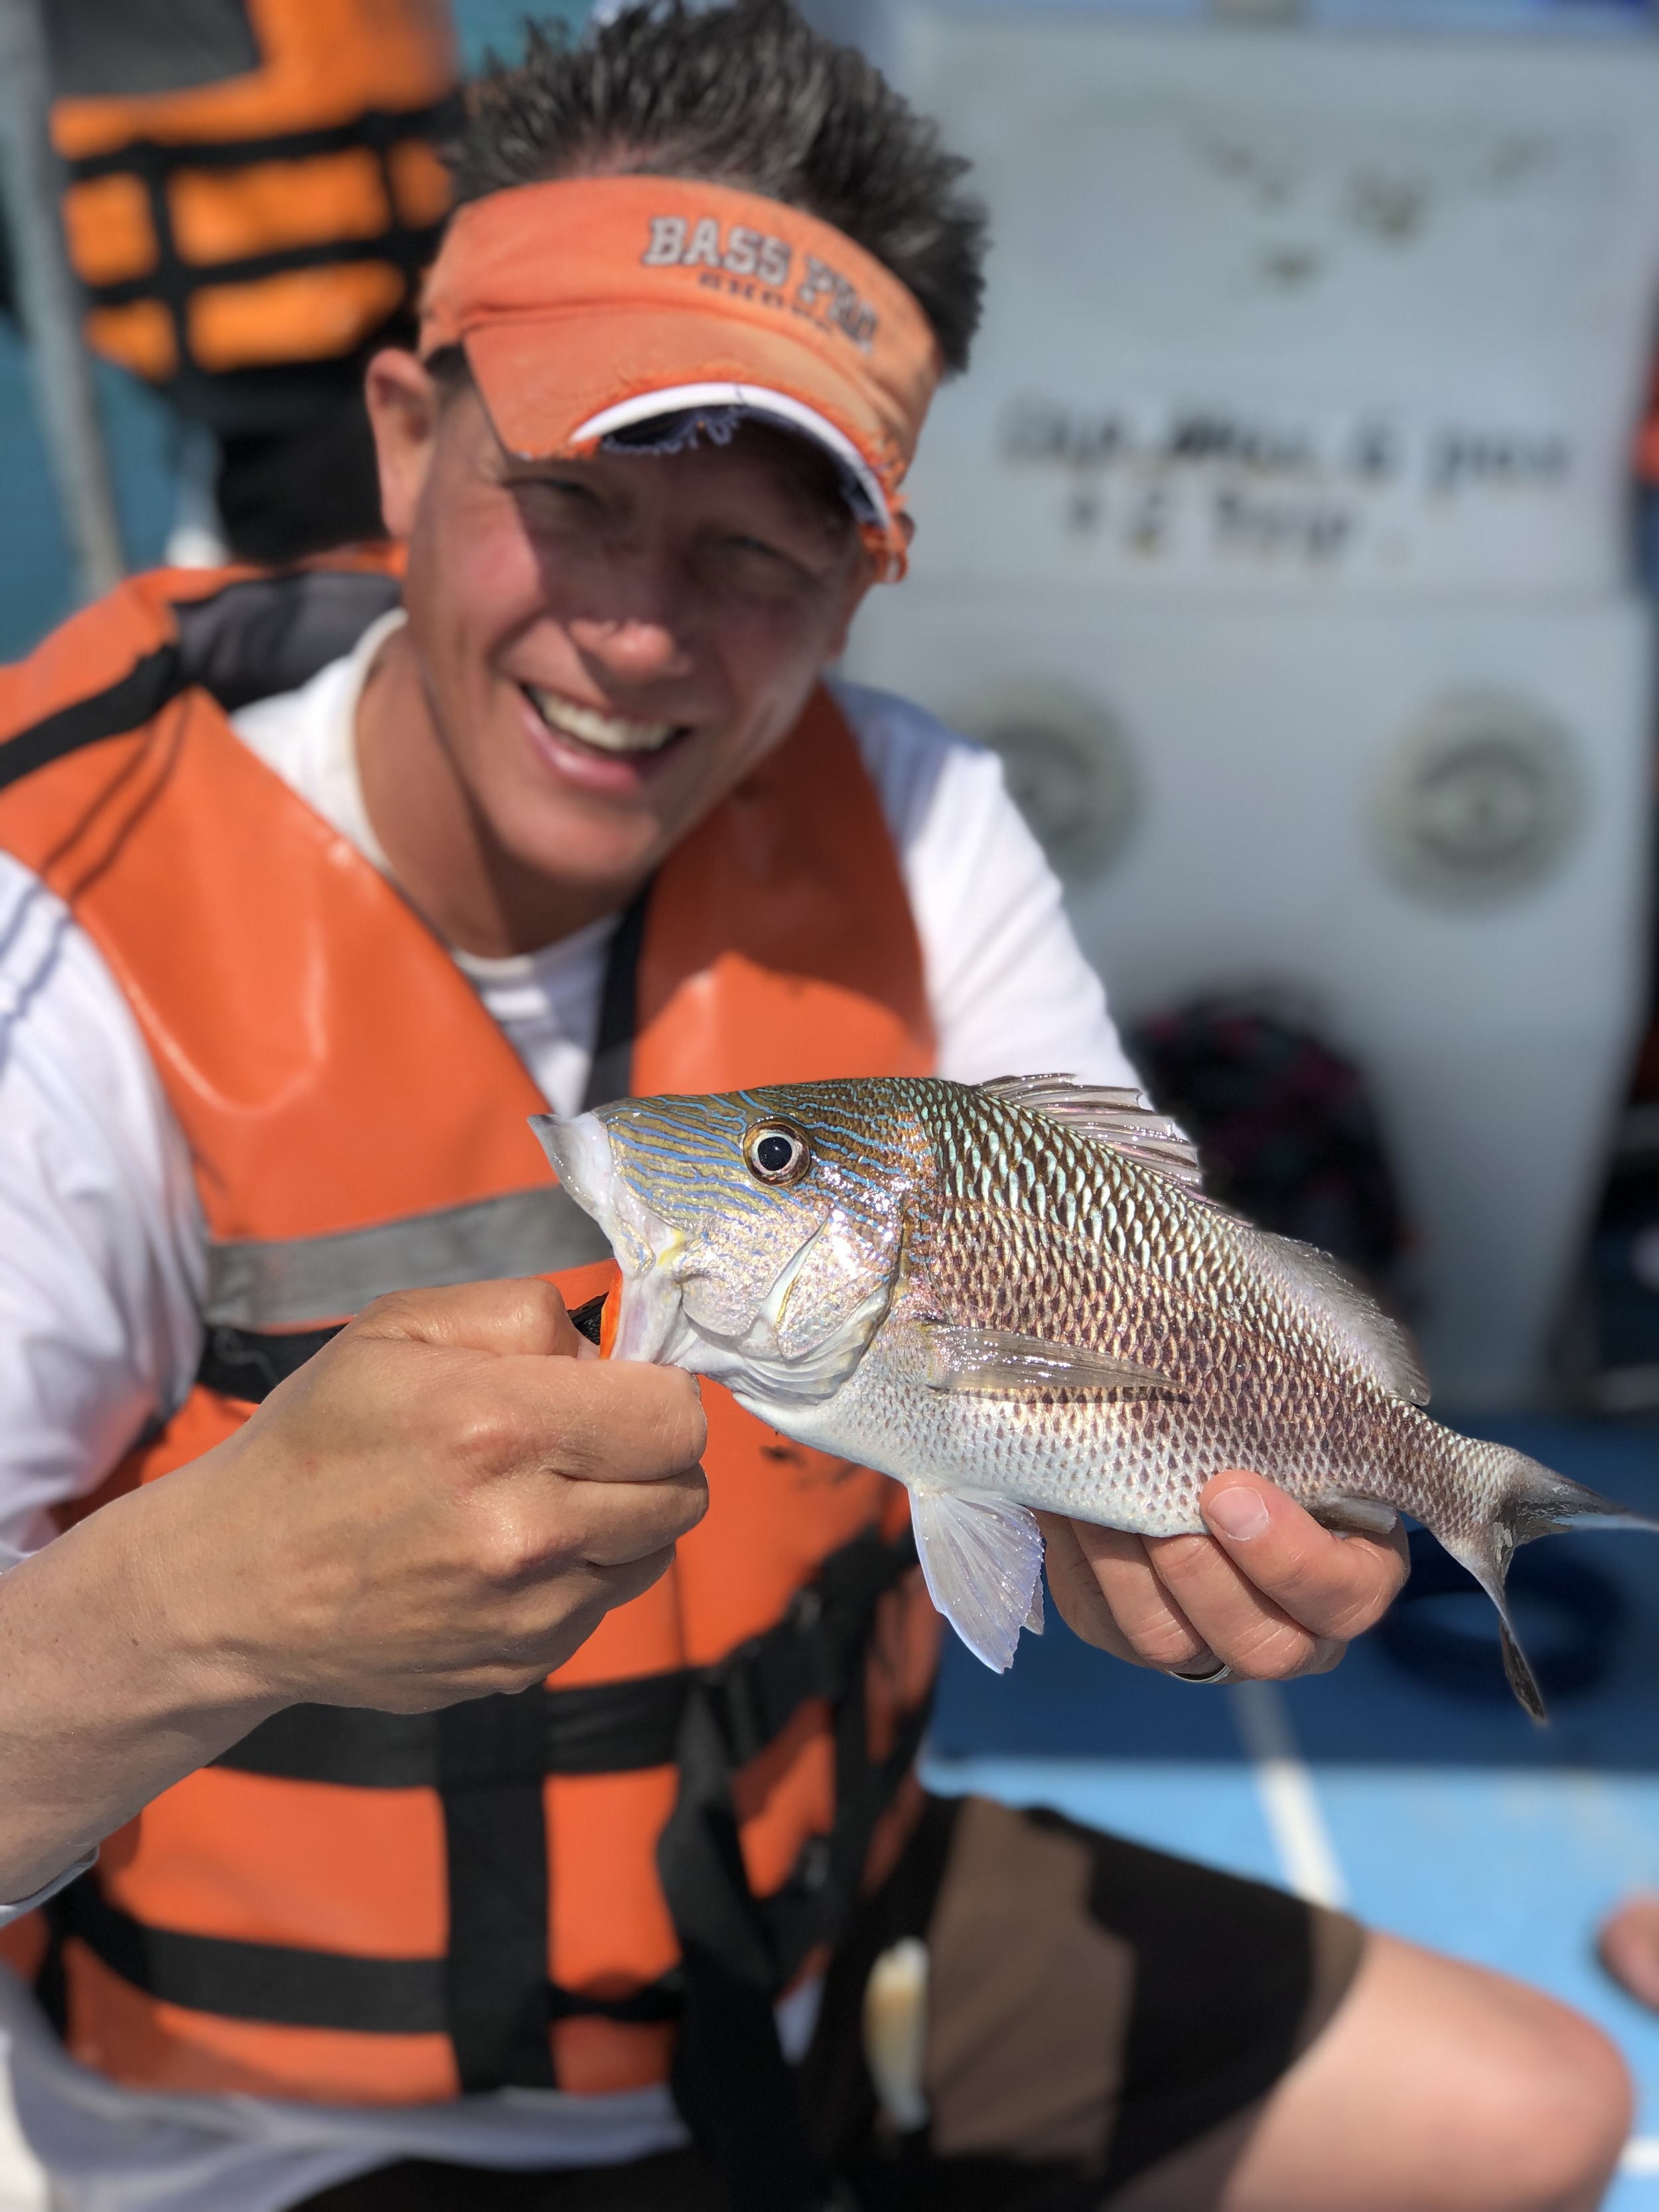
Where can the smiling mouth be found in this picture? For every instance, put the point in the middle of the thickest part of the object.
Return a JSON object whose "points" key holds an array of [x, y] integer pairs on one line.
{"points": [[601, 734]]}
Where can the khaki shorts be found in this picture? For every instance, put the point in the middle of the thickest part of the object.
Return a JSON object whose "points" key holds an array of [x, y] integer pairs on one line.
{"points": [[1092, 2007]]}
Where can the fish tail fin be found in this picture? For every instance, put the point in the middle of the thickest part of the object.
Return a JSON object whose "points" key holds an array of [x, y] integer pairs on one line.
{"points": [[1538, 1501], [1535, 1502]]}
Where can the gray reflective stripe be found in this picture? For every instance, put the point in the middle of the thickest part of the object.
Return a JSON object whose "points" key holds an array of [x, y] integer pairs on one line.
{"points": [[286, 1281]]}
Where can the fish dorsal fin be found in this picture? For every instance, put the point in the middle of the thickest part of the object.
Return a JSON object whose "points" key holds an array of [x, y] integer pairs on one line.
{"points": [[1125, 1120], [1373, 1339], [1129, 1123]]}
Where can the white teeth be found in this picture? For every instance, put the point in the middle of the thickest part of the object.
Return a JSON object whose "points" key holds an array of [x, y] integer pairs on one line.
{"points": [[609, 733]]}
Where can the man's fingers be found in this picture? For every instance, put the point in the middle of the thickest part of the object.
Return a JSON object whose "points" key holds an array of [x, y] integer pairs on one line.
{"points": [[631, 1579], [534, 1630], [611, 1524], [1330, 1585], [1150, 1615], [1239, 1623], [603, 1420], [1071, 1585], [447, 1499], [1106, 1589], [1269, 1590], [538, 1403], [524, 1315], [594, 1462]]}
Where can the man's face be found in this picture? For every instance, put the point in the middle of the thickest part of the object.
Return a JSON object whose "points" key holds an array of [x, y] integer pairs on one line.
{"points": [[607, 646]]}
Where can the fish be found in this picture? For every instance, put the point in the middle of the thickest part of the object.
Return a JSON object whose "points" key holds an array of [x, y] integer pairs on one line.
{"points": [[1016, 1296]]}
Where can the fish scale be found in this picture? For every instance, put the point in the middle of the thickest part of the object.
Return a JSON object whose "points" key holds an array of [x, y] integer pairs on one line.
{"points": [[1014, 1296]]}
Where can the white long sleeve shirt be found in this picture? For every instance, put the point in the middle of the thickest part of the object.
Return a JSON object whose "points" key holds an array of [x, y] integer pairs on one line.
{"points": [[102, 1275]]}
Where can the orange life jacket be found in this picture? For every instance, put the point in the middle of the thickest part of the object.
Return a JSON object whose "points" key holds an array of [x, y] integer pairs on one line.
{"points": [[280, 215], [378, 1908]]}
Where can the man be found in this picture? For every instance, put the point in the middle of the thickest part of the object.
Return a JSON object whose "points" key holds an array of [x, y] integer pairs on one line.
{"points": [[315, 894]]}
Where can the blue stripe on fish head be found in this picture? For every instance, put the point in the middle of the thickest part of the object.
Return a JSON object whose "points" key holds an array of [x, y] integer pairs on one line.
{"points": [[778, 1267]]}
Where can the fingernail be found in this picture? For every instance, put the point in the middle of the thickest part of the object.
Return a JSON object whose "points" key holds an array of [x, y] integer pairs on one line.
{"points": [[1238, 1513]]}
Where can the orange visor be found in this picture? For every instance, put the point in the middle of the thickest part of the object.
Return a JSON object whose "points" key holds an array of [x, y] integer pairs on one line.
{"points": [[592, 308]]}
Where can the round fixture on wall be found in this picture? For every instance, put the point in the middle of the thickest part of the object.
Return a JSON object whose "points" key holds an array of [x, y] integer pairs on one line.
{"points": [[1480, 800], [1067, 763]]}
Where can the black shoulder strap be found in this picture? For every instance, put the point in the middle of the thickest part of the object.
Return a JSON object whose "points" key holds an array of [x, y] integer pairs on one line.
{"points": [[265, 634], [734, 2090], [126, 704], [610, 1075], [255, 638]]}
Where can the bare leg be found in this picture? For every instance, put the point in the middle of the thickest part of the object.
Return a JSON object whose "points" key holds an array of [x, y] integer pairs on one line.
{"points": [[1436, 2087], [1629, 1946]]}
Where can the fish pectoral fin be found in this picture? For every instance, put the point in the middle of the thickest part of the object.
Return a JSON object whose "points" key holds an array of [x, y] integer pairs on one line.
{"points": [[1364, 1517], [982, 1558], [992, 1360]]}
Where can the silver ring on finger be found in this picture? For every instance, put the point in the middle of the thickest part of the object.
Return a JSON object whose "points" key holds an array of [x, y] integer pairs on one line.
{"points": [[1221, 1672]]}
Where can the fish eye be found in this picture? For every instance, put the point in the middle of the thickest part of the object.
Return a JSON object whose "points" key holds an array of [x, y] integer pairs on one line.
{"points": [[777, 1152]]}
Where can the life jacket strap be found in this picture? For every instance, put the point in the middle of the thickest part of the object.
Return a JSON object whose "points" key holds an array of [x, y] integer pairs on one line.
{"points": [[730, 2082], [282, 1986], [710, 1720]]}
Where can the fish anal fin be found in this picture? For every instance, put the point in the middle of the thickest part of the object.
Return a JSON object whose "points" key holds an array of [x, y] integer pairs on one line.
{"points": [[1125, 1120], [998, 1362], [982, 1559], [1363, 1516]]}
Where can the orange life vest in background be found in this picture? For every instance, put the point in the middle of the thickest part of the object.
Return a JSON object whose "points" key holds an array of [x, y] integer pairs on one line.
{"points": [[278, 217], [366, 1907]]}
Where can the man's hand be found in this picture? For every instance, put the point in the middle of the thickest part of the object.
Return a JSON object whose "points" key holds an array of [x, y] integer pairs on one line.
{"points": [[445, 1501], [1268, 1590]]}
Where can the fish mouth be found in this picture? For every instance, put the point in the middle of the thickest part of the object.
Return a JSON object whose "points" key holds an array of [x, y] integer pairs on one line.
{"points": [[652, 1321]]}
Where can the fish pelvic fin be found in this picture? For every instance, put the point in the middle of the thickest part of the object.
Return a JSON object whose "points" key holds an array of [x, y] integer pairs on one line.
{"points": [[1536, 1502], [982, 1559]]}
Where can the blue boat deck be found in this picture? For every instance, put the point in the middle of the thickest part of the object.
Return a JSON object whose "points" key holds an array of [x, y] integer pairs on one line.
{"points": [[1449, 1820]]}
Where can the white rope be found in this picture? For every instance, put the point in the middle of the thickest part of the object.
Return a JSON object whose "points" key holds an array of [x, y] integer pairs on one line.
{"points": [[1290, 1802]]}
